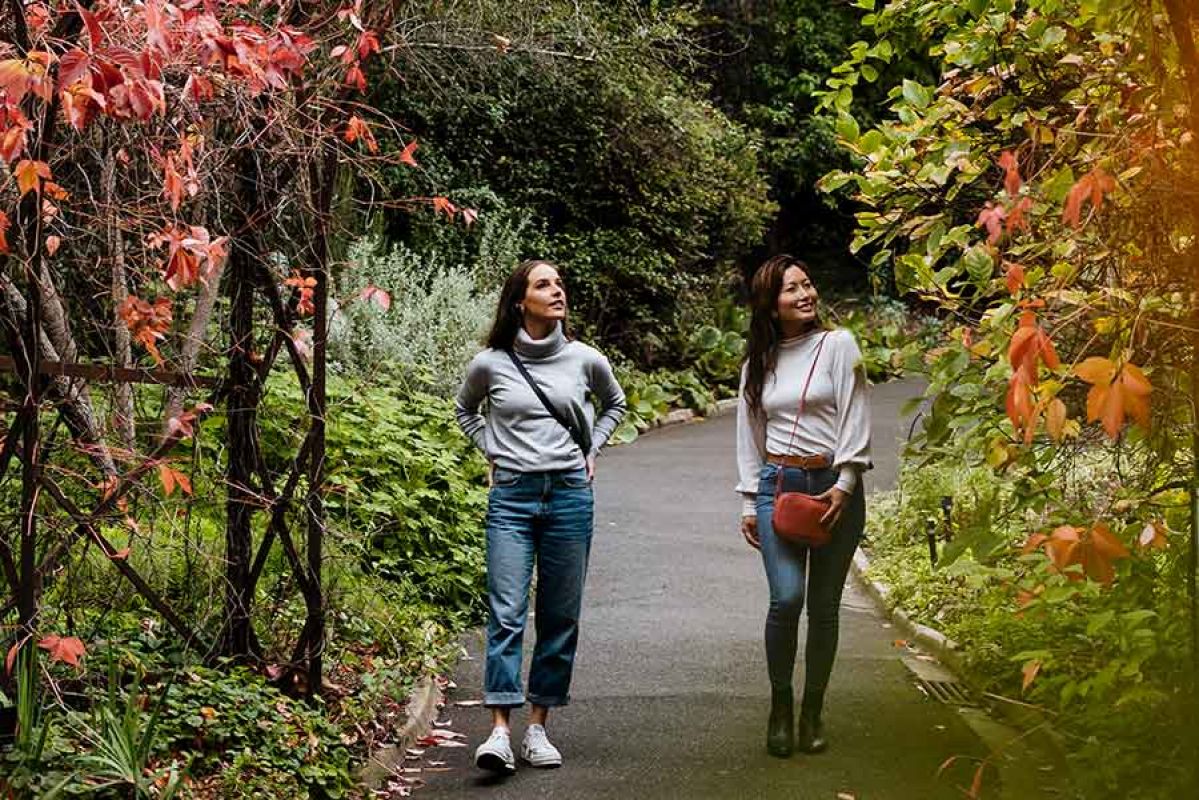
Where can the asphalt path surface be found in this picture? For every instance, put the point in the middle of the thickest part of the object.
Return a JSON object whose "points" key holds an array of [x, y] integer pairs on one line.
{"points": [[670, 695]]}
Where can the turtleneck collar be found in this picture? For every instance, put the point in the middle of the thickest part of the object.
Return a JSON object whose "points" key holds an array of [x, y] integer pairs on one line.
{"points": [[529, 347], [801, 338]]}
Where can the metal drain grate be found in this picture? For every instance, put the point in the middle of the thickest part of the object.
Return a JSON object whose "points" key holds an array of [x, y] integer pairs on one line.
{"points": [[951, 693]]}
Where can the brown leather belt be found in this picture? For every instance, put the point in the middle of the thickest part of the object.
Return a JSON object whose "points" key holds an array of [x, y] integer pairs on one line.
{"points": [[800, 462]]}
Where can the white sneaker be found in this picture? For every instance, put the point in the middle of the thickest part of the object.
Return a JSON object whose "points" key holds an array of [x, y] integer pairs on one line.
{"points": [[537, 750], [495, 754]]}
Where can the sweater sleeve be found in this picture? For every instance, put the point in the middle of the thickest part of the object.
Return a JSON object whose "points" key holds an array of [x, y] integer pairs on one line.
{"points": [[603, 384], [851, 456], [751, 451], [470, 396]]}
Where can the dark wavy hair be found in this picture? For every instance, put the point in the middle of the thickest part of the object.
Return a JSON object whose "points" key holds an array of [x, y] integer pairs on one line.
{"points": [[508, 317], [765, 333]]}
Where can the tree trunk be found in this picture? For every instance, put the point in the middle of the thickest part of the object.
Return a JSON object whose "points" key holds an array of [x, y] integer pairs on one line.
{"points": [[1181, 25], [241, 425], [123, 392]]}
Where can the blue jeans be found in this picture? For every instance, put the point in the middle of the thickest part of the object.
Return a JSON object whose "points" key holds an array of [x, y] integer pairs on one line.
{"points": [[795, 570], [546, 518]]}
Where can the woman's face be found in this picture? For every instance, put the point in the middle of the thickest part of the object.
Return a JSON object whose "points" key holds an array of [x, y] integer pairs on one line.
{"points": [[797, 299], [545, 295]]}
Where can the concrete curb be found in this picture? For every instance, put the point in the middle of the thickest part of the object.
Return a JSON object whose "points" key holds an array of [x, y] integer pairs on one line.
{"points": [[684, 416], [424, 704], [931, 640]]}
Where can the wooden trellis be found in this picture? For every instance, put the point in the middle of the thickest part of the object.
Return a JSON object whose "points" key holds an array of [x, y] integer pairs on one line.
{"points": [[248, 478]]}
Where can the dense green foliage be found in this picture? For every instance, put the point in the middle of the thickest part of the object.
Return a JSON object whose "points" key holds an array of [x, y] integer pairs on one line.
{"points": [[770, 62], [1026, 190], [627, 176]]}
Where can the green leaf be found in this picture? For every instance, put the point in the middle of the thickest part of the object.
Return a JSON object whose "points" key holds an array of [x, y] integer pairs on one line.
{"points": [[1058, 186], [847, 127], [916, 94]]}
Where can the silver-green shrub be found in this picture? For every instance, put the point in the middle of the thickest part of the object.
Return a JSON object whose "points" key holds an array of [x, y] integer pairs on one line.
{"points": [[437, 317]]}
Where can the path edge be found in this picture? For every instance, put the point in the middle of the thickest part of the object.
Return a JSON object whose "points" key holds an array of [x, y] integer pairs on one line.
{"points": [[423, 706], [1029, 720]]}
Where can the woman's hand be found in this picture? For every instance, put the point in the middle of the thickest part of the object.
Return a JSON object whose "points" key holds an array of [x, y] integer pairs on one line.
{"points": [[837, 498], [749, 529], [591, 467]]}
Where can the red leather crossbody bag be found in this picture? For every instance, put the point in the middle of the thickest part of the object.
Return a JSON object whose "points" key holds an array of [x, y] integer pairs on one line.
{"points": [[797, 515]]}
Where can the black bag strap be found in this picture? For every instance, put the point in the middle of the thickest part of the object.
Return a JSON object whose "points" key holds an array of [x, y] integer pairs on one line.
{"points": [[581, 439]]}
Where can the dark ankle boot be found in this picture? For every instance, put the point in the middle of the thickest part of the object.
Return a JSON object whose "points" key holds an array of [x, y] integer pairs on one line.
{"points": [[811, 734], [780, 731]]}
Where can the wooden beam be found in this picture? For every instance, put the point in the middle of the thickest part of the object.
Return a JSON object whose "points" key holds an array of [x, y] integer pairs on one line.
{"points": [[109, 374]]}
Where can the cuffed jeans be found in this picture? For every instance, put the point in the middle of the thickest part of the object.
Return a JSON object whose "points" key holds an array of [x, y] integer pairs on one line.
{"points": [[797, 573], [542, 518]]}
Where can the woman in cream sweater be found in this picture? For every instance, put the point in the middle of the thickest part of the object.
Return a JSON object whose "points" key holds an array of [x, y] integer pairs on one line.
{"points": [[822, 452]]}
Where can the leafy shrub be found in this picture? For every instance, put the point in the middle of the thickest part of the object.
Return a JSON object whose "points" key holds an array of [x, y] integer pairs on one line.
{"points": [[408, 490], [638, 212], [429, 333], [1107, 660], [888, 333]]}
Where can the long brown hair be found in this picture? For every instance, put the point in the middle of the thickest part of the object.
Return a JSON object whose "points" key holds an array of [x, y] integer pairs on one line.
{"points": [[508, 318], [765, 333]]}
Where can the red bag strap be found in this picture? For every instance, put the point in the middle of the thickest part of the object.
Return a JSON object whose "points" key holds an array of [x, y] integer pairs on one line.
{"points": [[803, 400]]}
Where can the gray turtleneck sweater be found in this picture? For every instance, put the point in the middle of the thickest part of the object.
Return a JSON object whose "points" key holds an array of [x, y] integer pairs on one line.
{"points": [[517, 432]]}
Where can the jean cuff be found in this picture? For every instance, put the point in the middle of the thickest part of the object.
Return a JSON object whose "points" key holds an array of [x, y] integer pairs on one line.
{"points": [[503, 699], [549, 701]]}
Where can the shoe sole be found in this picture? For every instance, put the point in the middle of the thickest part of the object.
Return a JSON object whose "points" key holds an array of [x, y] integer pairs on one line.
{"points": [[494, 763], [542, 765]]}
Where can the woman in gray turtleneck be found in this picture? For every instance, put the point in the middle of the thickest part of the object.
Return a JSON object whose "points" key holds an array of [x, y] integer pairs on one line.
{"points": [[540, 508]]}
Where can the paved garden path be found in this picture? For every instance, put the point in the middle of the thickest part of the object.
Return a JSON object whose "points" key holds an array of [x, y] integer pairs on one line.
{"points": [[670, 694]]}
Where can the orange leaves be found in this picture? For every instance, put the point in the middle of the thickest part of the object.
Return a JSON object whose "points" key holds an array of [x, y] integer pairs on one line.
{"points": [[4, 223], [356, 129], [14, 130], [1095, 550], [992, 218], [406, 155], [183, 426], [157, 35], [368, 42], [24, 76], [1117, 390], [28, 174], [192, 254], [67, 649], [1030, 671], [1094, 185], [306, 287], [171, 478], [147, 322], [356, 77], [1014, 276], [443, 205], [1055, 419], [1011, 167], [1029, 347], [179, 178]]}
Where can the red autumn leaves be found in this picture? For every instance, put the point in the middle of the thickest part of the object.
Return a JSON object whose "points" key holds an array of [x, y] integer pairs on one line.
{"points": [[1030, 347], [1119, 389], [1093, 550]]}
